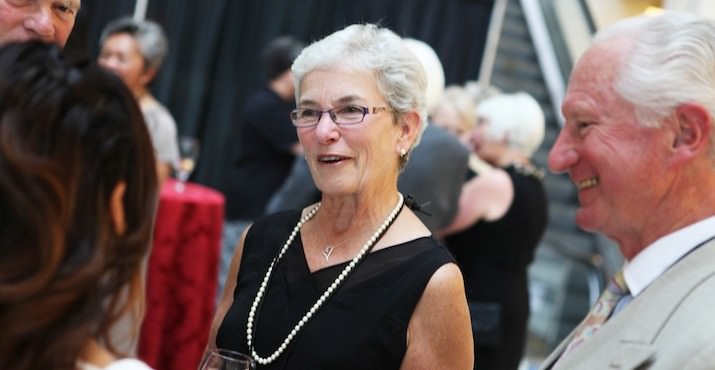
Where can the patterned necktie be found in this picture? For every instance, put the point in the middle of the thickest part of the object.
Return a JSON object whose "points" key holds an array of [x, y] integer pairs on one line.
{"points": [[600, 312]]}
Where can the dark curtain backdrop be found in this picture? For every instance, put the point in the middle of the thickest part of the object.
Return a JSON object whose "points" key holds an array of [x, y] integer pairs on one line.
{"points": [[213, 62]]}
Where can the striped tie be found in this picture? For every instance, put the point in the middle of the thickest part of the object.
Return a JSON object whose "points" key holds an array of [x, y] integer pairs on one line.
{"points": [[603, 309]]}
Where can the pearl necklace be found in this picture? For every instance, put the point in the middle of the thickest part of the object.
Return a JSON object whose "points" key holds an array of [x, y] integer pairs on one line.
{"points": [[328, 292]]}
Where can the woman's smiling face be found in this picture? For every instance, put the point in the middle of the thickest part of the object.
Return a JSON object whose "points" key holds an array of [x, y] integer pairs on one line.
{"points": [[349, 159]]}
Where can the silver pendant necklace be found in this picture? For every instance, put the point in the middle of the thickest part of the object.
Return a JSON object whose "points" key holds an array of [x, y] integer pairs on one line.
{"points": [[330, 248], [327, 251], [253, 313]]}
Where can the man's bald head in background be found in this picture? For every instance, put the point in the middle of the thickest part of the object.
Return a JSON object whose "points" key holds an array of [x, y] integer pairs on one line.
{"points": [[46, 20]]}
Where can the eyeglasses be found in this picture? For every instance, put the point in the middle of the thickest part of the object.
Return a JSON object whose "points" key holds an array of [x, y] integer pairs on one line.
{"points": [[345, 115]]}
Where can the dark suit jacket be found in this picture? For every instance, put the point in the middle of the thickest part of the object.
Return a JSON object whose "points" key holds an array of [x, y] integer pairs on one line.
{"points": [[670, 325], [434, 176]]}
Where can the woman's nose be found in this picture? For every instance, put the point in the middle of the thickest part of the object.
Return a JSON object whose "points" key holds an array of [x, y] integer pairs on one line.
{"points": [[326, 130], [563, 154]]}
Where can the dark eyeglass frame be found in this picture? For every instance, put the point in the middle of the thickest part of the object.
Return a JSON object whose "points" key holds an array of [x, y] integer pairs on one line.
{"points": [[296, 113]]}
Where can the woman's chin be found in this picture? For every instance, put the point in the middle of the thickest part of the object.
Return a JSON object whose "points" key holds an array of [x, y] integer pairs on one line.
{"points": [[334, 189]]}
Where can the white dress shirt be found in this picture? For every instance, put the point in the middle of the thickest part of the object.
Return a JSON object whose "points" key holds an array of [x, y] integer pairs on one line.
{"points": [[652, 261]]}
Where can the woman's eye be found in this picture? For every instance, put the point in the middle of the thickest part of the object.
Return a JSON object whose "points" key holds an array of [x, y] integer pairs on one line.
{"points": [[351, 109], [309, 113]]}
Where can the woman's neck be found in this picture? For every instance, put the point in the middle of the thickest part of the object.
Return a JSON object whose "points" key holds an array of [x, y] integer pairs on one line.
{"points": [[96, 354], [511, 157], [339, 215], [140, 92], [145, 101]]}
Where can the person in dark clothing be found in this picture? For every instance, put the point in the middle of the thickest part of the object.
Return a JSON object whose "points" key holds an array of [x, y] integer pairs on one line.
{"points": [[267, 144], [501, 219], [357, 262]]}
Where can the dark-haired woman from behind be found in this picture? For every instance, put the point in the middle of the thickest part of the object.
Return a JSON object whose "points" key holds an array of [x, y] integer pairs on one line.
{"points": [[78, 192]]}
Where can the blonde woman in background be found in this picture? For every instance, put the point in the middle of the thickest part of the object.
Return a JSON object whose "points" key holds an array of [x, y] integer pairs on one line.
{"points": [[456, 113]]}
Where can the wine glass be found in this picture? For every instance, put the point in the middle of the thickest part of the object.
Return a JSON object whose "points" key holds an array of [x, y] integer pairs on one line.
{"points": [[188, 156], [224, 359]]}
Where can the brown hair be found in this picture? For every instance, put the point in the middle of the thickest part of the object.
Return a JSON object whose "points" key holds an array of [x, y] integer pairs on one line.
{"points": [[69, 134]]}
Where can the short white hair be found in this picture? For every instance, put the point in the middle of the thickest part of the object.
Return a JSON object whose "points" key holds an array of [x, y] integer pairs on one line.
{"points": [[399, 74], [671, 62], [516, 119]]}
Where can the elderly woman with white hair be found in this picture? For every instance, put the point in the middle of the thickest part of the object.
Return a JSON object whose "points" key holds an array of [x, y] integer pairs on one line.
{"points": [[355, 281], [502, 217]]}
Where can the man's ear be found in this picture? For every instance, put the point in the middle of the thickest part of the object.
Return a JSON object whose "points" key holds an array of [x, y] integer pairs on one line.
{"points": [[116, 208], [694, 127]]}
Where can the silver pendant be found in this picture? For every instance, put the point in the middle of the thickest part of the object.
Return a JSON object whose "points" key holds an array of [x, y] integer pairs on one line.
{"points": [[327, 252]]}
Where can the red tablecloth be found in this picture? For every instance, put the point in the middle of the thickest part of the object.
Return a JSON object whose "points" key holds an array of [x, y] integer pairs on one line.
{"points": [[182, 277]]}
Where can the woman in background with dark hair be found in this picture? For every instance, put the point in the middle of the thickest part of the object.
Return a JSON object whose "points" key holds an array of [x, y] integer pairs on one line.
{"points": [[78, 191], [135, 50]]}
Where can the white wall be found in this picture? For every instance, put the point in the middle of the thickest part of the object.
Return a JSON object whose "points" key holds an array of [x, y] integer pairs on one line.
{"points": [[605, 12], [573, 25], [705, 8]]}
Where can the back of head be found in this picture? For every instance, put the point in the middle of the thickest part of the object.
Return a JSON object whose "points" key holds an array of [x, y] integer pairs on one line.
{"points": [[515, 118], [70, 134], [399, 74], [433, 70], [151, 38], [671, 61], [279, 54]]}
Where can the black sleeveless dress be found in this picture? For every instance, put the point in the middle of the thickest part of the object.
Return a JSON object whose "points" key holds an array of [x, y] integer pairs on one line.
{"points": [[494, 257], [362, 326]]}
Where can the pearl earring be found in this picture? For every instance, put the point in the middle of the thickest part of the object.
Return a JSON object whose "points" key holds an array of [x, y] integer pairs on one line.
{"points": [[403, 152]]}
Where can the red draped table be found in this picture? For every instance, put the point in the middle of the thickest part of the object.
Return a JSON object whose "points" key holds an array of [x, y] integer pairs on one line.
{"points": [[182, 277]]}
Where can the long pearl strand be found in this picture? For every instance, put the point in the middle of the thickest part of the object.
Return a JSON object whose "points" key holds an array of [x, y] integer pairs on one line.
{"points": [[328, 292]]}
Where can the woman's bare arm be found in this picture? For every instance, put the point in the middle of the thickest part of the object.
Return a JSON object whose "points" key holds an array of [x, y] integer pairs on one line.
{"points": [[227, 294], [439, 335], [485, 197]]}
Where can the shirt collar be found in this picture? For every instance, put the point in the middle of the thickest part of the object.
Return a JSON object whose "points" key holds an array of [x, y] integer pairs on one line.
{"points": [[652, 261]]}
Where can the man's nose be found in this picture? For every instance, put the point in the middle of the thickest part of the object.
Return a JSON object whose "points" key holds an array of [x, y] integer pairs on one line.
{"points": [[563, 154], [41, 24]]}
